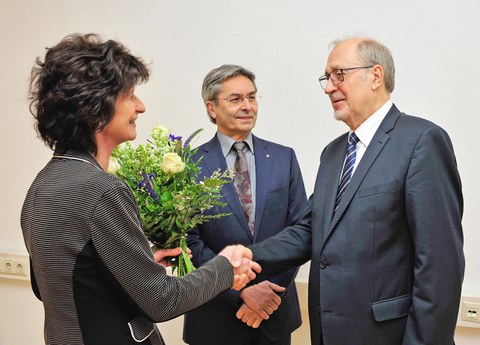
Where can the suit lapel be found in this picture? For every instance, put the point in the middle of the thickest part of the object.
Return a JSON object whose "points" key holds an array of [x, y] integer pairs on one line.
{"points": [[212, 160], [375, 147], [263, 168]]}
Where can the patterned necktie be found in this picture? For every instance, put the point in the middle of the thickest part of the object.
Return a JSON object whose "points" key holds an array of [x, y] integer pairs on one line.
{"points": [[241, 181], [348, 167]]}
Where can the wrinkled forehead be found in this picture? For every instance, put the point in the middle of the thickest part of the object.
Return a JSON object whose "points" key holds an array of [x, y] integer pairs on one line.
{"points": [[343, 55], [237, 85]]}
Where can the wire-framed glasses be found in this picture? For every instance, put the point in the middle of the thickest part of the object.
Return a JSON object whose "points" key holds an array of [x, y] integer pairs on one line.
{"points": [[337, 76], [238, 99]]}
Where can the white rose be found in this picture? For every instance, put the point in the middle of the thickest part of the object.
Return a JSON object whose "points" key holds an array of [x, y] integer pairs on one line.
{"points": [[172, 163], [113, 165]]}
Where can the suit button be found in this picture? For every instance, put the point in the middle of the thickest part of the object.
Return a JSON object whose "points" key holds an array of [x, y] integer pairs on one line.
{"points": [[323, 264]]}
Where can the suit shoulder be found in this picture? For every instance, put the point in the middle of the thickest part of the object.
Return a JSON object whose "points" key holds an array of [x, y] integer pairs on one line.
{"points": [[272, 145], [416, 121], [203, 146], [201, 150], [340, 140], [416, 124]]}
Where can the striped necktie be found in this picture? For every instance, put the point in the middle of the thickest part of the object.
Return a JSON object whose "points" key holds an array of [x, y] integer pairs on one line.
{"points": [[348, 167]]}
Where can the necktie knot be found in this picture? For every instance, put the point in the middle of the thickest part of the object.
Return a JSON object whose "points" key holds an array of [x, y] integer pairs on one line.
{"points": [[239, 146], [353, 139]]}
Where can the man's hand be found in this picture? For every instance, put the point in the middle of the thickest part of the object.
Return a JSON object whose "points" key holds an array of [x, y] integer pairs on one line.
{"points": [[164, 256], [248, 316], [244, 268], [262, 298]]}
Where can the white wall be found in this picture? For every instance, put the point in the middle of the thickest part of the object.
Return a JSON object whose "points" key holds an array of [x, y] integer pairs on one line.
{"points": [[435, 46]]}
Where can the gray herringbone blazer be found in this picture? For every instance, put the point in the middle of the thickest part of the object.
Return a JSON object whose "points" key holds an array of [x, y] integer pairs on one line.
{"points": [[91, 264]]}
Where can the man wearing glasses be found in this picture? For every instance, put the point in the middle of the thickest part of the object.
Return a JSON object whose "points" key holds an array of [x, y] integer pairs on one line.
{"points": [[383, 226], [266, 195]]}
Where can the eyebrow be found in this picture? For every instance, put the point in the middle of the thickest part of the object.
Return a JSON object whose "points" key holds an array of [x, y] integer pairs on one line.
{"points": [[334, 68], [238, 94]]}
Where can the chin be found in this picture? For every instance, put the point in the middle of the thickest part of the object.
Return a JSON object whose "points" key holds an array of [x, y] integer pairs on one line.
{"points": [[132, 136], [339, 115]]}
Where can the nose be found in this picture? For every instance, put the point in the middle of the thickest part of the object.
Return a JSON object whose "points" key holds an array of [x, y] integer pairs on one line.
{"points": [[139, 106], [246, 104], [330, 87]]}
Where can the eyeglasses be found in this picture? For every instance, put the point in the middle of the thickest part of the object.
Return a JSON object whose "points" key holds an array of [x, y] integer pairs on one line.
{"points": [[237, 99], [337, 76]]}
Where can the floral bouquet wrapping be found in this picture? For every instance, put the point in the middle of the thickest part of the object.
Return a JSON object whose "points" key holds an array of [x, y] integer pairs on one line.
{"points": [[165, 182]]}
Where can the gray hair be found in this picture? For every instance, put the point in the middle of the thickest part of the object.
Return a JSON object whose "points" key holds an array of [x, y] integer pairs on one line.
{"points": [[372, 52], [212, 84]]}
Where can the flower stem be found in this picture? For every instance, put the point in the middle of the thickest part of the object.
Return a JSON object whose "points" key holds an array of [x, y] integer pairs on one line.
{"points": [[185, 265]]}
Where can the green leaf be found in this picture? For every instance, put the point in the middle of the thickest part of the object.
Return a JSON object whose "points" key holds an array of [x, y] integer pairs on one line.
{"points": [[166, 196]]}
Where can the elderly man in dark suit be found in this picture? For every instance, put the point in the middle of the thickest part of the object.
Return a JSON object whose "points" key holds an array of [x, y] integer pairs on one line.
{"points": [[383, 226], [270, 196]]}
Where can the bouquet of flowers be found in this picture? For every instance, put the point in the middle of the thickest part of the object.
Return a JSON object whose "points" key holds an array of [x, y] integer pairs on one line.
{"points": [[165, 182]]}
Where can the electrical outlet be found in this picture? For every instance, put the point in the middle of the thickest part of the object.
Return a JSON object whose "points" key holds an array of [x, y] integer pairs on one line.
{"points": [[13, 264], [470, 311]]}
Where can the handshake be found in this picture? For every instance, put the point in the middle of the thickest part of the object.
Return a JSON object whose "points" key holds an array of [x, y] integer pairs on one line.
{"points": [[244, 268], [260, 300]]}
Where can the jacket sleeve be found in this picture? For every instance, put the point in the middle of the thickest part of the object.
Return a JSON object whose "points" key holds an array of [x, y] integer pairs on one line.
{"points": [[434, 207], [290, 248], [121, 245]]}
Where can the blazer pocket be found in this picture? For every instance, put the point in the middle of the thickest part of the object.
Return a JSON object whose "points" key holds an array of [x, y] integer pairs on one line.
{"points": [[141, 328], [392, 308], [384, 188]]}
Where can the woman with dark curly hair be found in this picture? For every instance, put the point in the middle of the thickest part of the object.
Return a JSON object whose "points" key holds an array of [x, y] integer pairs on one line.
{"points": [[91, 265]]}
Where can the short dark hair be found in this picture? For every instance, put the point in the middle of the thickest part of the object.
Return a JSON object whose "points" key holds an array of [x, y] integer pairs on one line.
{"points": [[74, 90]]}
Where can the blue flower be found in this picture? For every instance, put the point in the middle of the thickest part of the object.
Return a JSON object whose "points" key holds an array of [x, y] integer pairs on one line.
{"points": [[172, 137], [147, 183]]}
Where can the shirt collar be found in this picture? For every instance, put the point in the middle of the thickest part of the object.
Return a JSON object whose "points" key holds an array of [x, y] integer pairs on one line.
{"points": [[226, 142], [367, 130]]}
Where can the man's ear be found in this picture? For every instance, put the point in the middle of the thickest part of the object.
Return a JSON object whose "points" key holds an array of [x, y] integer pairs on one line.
{"points": [[211, 109], [377, 76]]}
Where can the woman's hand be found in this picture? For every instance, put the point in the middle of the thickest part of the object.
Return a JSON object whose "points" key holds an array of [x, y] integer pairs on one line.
{"points": [[164, 256]]}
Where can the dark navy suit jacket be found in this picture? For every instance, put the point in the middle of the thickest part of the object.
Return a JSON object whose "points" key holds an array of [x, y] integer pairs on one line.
{"points": [[280, 200], [387, 266]]}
